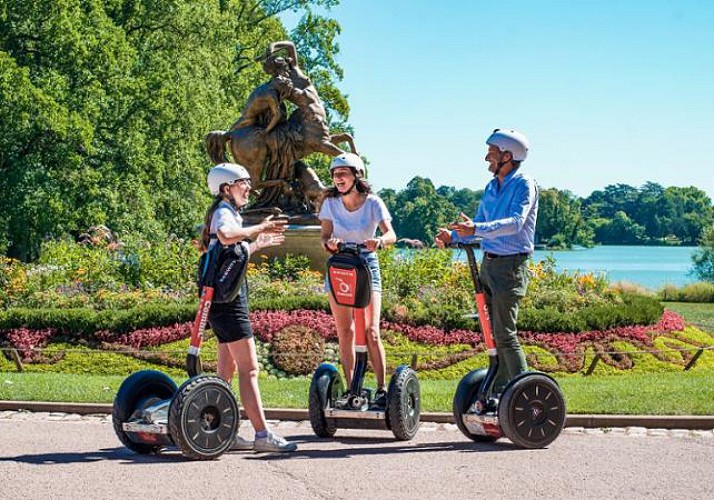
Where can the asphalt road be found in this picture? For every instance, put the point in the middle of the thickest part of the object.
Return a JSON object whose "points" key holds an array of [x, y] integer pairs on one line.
{"points": [[51, 456]]}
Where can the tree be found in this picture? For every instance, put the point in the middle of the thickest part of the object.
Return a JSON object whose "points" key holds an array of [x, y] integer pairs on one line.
{"points": [[418, 210], [703, 258], [465, 199], [620, 230], [560, 220], [104, 106]]}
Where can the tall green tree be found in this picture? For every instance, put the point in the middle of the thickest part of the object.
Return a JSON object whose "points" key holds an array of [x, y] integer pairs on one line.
{"points": [[418, 210], [104, 105], [703, 258], [560, 220]]}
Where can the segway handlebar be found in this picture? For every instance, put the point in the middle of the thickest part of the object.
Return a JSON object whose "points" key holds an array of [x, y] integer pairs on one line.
{"points": [[349, 247], [474, 243]]}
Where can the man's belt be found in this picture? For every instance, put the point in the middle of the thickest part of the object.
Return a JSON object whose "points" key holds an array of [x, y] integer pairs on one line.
{"points": [[490, 255]]}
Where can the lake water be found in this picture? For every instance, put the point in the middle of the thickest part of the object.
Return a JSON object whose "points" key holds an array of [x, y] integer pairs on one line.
{"points": [[648, 266]]}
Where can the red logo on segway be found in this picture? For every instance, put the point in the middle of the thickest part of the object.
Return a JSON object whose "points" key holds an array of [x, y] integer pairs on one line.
{"points": [[343, 283]]}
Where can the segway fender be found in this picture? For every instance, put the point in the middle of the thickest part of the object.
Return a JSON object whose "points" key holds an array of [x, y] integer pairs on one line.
{"points": [[325, 382], [466, 393], [323, 369]]}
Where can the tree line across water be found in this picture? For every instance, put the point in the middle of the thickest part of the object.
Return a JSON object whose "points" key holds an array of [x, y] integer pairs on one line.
{"points": [[619, 214]]}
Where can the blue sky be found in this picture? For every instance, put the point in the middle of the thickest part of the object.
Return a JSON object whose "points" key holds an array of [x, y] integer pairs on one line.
{"points": [[607, 91]]}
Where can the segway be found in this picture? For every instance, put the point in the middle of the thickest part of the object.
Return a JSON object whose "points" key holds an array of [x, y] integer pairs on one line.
{"points": [[329, 407], [531, 409], [201, 417]]}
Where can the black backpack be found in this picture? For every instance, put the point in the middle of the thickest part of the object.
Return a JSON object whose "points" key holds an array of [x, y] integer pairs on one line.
{"points": [[223, 268]]}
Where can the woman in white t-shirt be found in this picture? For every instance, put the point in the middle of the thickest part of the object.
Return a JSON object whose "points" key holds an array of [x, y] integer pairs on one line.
{"points": [[230, 184], [350, 213]]}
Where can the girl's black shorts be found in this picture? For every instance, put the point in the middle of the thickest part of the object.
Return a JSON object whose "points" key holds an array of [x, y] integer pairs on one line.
{"points": [[230, 322]]}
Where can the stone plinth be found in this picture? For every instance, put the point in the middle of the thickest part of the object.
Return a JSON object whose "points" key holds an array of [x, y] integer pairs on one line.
{"points": [[299, 240]]}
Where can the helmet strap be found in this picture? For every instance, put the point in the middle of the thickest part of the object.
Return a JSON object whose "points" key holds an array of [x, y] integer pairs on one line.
{"points": [[500, 165], [352, 188]]}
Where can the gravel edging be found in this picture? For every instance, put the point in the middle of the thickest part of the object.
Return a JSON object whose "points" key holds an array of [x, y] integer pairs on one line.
{"points": [[574, 420]]}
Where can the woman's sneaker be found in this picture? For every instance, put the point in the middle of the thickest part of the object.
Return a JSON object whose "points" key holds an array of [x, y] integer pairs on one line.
{"points": [[242, 444], [272, 443]]}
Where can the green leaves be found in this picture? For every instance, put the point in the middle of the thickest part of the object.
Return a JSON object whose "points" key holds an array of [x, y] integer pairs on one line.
{"points": [[104, 105]]}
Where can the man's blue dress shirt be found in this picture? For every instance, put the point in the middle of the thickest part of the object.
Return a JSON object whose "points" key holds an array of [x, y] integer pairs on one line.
{"points": [[506, 216]]}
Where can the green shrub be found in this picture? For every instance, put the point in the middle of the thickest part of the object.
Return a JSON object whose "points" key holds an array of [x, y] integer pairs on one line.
{"points": [[701, 292], [297, 350], [634, 310], [288, 268], [88, 321]]}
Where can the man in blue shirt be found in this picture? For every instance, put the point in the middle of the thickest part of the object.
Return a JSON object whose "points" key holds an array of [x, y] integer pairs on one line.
{"points": [[506, 221]]}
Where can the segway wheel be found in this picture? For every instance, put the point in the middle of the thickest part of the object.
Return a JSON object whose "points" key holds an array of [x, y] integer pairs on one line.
{"points": [[325, 388], [139, 391], [404, 403], [532, 411], [203, 417], [465, 396]]}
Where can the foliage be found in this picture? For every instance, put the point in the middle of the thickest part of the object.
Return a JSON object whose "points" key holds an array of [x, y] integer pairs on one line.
{"points": [[99, 99], [290, 268], [560, 220], [703, 258], [619, 214], [702, 291], [297, 350], [622, 214], [85, 322], [418, 210], [665, 346]]}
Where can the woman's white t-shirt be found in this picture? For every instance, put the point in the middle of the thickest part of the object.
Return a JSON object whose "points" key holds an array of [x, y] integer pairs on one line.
{"points": [[357, 226], [225, 215]]}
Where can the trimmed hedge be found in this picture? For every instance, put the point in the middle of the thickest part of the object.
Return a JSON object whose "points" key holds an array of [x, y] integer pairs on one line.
{"points": [[634, 310], [88, 321]]}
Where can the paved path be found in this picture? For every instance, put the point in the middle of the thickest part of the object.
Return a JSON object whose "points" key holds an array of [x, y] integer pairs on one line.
{"points": [[50, 456]]}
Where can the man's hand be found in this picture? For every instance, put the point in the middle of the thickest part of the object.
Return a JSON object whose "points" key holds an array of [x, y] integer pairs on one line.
{"points": [[443, 237], [464, 227]]}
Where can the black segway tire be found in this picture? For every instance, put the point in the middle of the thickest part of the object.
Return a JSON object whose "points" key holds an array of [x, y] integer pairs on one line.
{"points": [[325, 388], [139, 391], [532, 411], [203, 417], [404, 403], [464, 397]]}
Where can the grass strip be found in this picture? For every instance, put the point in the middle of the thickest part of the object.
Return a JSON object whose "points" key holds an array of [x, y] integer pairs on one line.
{"points": [[683, 393]]}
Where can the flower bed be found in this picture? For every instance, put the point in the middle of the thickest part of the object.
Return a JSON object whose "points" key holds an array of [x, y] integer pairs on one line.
{"points": [[437, 350]]}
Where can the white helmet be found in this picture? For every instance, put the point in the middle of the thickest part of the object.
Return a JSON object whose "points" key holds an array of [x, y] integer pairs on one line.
{"points": [[350, 160], [510, 140], [225, 173]]}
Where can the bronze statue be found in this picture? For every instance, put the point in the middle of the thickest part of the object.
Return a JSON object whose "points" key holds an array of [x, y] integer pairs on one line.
{"points": [[270, 144]]}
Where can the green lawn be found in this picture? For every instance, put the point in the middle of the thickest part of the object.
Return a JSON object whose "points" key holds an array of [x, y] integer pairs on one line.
{"points": [[700, 315], [672, 393]]}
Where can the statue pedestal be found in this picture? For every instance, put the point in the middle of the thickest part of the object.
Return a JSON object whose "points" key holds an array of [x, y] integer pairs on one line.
{"points": [[299, 240]]}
